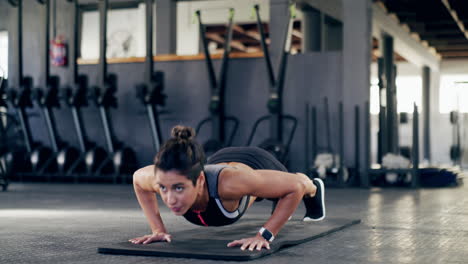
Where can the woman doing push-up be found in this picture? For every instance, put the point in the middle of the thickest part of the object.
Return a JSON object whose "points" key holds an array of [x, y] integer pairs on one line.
{"points": [[219, 192]]}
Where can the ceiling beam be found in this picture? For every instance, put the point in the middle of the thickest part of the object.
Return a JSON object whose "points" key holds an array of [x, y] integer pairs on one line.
{"points": [[247, 40], [405, 13], [438, 32], [216, 29], [422, 27], [447, 54], [238, 29], [438, 42], [296, 33], [405, 16], [448, 39], [434, 22], [452, 47], [255, 35], [376, 54], [215, 37], [249, 33], [411, 48], [253, 49], [235, 44], [418, 27], [455, 17]]}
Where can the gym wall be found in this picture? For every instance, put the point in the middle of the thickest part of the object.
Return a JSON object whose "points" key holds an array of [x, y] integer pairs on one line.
{"points": [[310, 77]]}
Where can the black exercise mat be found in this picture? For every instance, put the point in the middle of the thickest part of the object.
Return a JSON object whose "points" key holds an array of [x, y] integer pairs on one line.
{"points": [[210, 242]]}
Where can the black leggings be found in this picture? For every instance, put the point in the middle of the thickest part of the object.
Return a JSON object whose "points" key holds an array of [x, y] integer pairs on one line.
{"points": [[254, 157]]}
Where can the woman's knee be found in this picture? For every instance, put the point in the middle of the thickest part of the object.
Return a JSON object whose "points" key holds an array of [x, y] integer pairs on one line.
{"points": [[308, 185]]}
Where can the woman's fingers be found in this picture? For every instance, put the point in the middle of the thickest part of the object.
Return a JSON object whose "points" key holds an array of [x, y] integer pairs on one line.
{"points": [[256, 244], [133, 240], [250, 244], [235, 243], [264, 244], [253, 244], [167, 237], [147, 240], [245, 244], [259, 246], [151, 238], [140, 240]]}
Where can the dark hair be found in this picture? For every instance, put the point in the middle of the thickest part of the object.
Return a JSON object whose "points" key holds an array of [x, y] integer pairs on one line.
{"points": [[181, 153]]}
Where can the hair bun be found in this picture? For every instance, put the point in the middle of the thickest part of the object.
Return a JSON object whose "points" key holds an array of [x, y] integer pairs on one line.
{"points": [[183, 132]]}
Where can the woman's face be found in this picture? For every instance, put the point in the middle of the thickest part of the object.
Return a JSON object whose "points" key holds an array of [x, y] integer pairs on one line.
{"points": [[177, 191]]}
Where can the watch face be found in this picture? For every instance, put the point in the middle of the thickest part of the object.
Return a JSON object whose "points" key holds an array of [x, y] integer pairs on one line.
{"points": [[267, 234]]}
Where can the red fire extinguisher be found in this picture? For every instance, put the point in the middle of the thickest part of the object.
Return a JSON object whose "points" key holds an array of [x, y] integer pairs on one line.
{"points": [[58, 51]]}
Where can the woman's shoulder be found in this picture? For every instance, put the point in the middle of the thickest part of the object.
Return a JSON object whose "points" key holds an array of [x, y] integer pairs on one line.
{"points": [[144, 178]]}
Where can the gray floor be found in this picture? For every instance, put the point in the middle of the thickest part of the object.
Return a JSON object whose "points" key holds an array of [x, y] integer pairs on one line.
{"points": [[65, 223]]}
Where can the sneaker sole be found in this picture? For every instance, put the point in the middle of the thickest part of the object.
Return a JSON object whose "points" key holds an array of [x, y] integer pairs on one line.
{"points": [[322, 198]]}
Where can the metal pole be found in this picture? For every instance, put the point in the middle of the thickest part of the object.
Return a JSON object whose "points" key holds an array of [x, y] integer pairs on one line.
{"points": [[415, 155], [327, 124], [149, 42], [25, 127], [74, 44], [107, 129], [154, 127], [208, 60], [382, 147], [287, 43], [219, 116], [357, 139], [390, 93], [46, 44], [396, 121], [276, 92], [341, 144], [266, 53], [103, 6], [426, 78], [79, 128], [307, 140], [50, 122], [19, 65], [365, 178], [314, 134]]}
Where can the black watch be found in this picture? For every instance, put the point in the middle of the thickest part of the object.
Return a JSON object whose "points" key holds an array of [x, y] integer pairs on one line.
{"points": [[266, 234]]}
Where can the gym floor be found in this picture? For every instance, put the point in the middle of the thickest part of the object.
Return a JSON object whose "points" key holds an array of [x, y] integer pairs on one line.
{"points": [[65, 223]]}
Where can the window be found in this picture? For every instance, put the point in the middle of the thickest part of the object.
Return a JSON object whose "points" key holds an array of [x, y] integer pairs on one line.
{"points": [[453, 93], [123, 39], [3, 54], [215, 15], [409, 91], [374, 97]]}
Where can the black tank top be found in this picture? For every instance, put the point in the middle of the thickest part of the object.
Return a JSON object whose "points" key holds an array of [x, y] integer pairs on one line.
{"points": [[215, 214]]}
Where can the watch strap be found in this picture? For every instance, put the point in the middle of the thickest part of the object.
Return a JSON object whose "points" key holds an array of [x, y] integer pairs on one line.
{"points": [[266, 234]]}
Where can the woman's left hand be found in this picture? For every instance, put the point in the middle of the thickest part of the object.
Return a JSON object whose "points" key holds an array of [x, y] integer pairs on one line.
{"points": [[256, 242]]}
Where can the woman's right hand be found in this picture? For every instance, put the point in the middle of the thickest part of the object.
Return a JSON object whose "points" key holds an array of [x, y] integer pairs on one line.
{"points": [[155, 237]]}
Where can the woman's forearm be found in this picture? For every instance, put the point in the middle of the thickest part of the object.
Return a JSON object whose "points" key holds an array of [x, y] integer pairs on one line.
{"points": [[286, 206], [149, 204]]}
